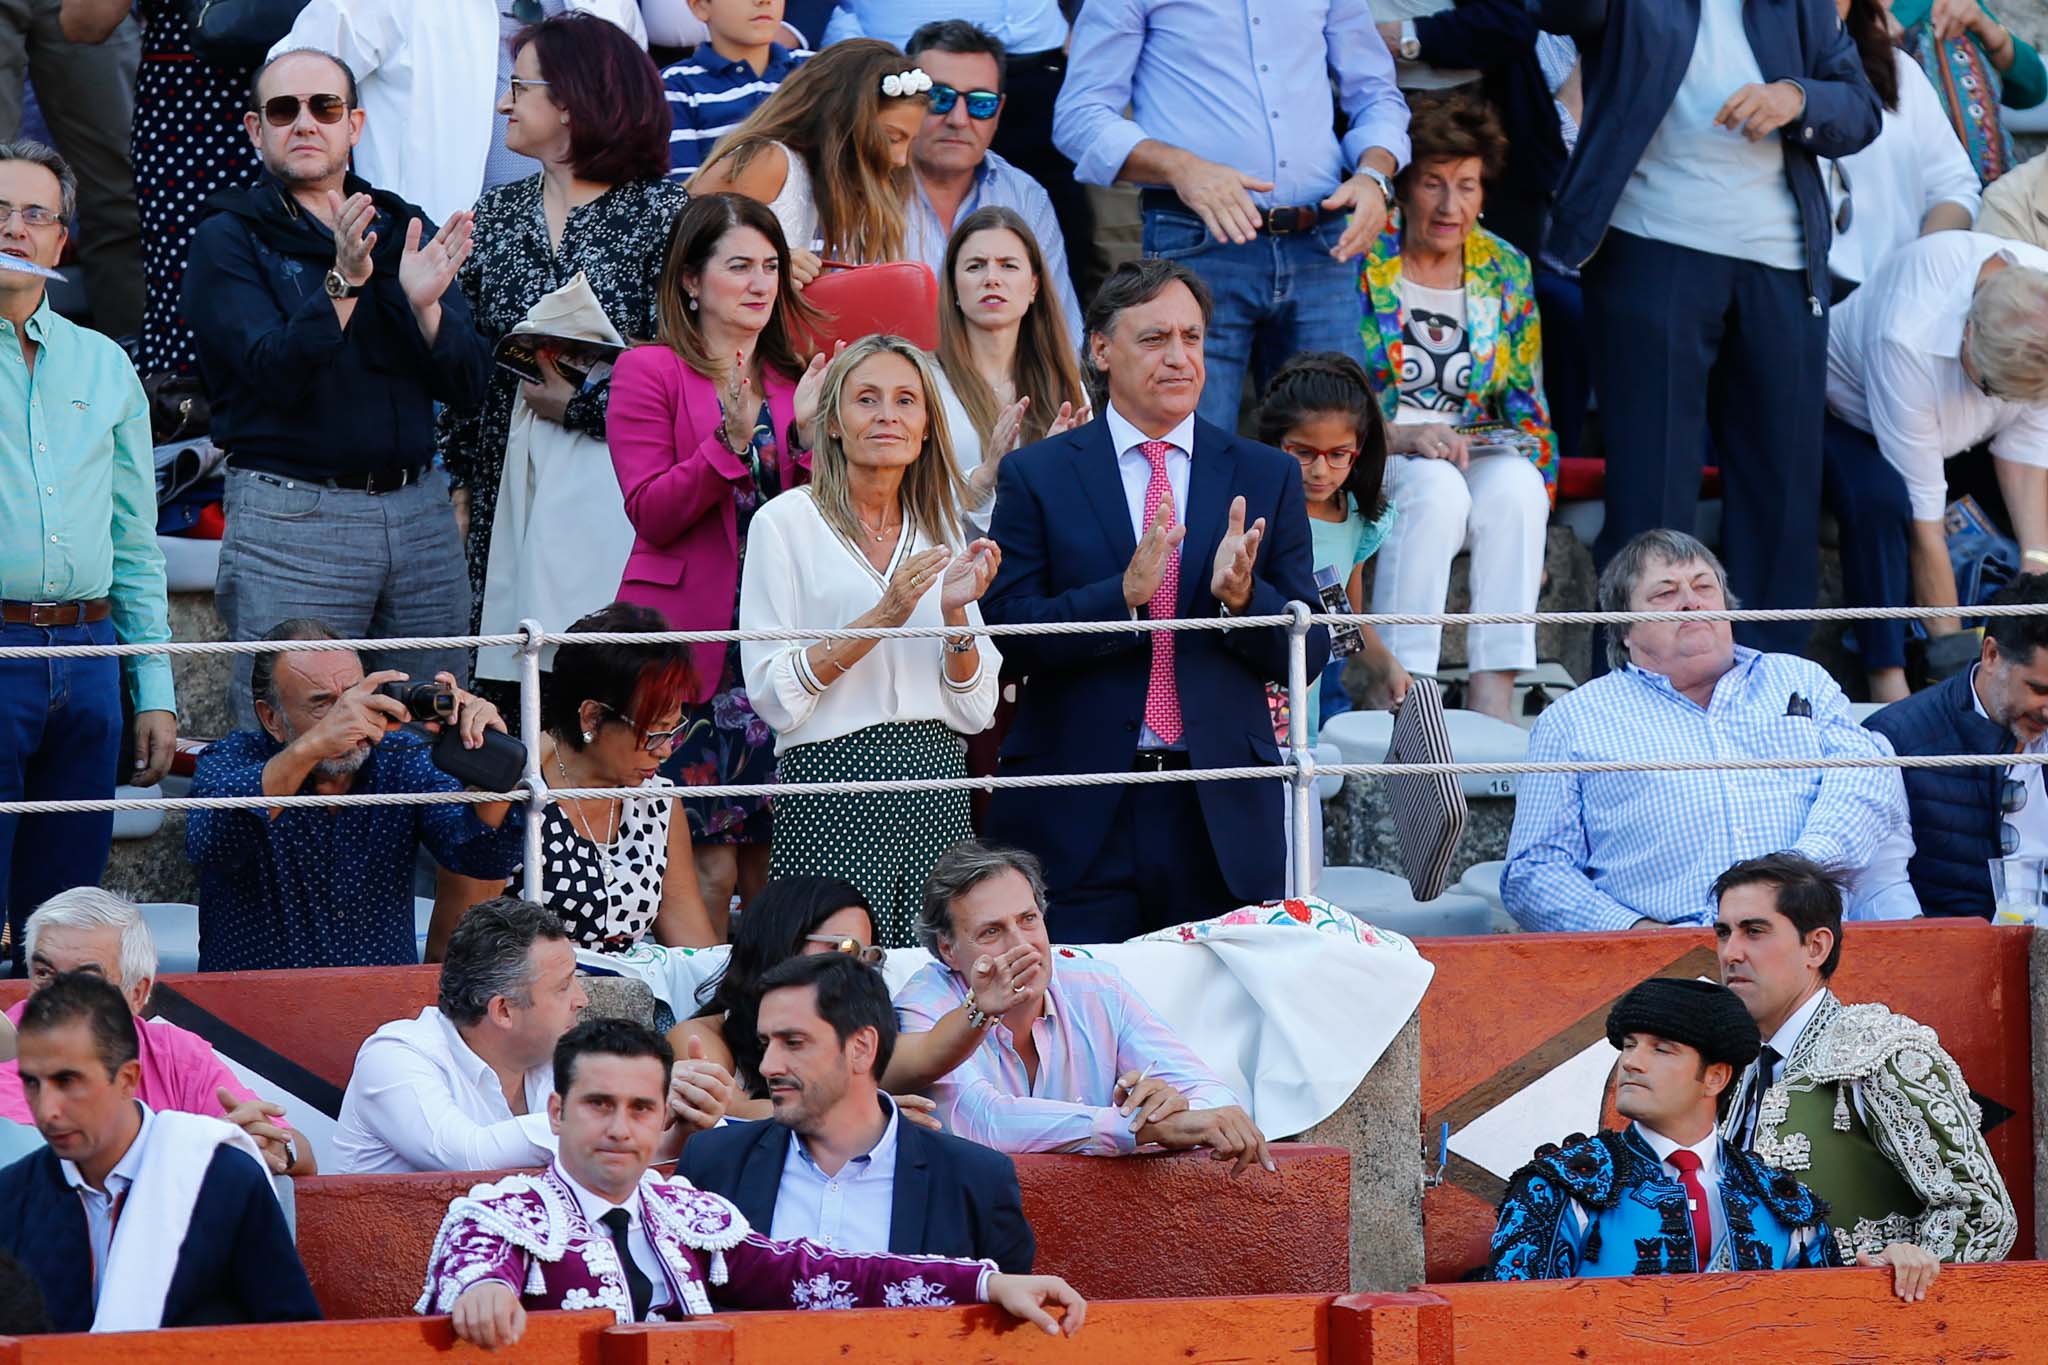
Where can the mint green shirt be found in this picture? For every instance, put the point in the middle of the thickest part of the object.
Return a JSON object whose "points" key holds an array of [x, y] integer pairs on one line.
{"points": [[78, 489]]}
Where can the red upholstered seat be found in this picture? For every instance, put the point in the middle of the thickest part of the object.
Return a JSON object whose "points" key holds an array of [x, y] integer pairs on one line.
{"points": [[1582, 479]]}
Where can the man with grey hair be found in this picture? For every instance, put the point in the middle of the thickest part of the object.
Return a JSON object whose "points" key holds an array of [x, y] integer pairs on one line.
{"points": [[1620, 850], [87, 929], [79, 563], [1944, 348], [332, 888], [1077, 1062], [464, 1085]]}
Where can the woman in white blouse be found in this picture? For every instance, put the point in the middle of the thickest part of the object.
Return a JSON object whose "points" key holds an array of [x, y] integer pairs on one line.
{"points": [[869, 542]]}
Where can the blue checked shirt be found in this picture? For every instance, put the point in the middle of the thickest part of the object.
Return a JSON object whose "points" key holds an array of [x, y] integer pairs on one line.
{"points": [[1602, 850], [709, 96]]}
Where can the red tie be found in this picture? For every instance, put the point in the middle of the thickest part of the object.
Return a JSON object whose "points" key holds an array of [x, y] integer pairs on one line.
{"points": [[1162, 698], [1687, 1164]]}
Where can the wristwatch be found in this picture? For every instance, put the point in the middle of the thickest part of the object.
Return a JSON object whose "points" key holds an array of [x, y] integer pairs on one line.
{"points": [[1411, 46], [1379, 177], [339, 288]]}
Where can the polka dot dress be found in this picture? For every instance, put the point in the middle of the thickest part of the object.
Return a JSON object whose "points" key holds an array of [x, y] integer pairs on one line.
{"points": [[885, 843], [606, 895], [189, 146]]}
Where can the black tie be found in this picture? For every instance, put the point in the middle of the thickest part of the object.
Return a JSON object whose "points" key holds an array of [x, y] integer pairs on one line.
{"points": [[637, 1284], [1753, 1111]]}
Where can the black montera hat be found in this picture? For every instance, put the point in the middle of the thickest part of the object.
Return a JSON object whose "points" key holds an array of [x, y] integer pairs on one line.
{"points": [[1699, 1014]]}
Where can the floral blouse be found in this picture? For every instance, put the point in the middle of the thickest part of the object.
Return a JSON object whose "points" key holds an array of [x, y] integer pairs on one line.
{"points": [[619, 241]]}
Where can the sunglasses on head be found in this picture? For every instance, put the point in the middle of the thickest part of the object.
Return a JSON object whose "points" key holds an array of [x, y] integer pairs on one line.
{"points": [[282, 111], [981, 104], [872, 954]]}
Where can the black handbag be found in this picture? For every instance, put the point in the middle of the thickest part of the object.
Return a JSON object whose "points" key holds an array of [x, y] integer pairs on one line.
{"points": [[238, 33]]}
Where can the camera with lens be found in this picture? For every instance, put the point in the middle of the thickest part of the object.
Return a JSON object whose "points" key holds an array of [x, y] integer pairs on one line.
{"points": [[498, 766]]}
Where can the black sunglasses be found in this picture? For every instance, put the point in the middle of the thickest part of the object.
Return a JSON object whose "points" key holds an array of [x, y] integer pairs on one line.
{"points": [[282, 111], [2012, 798], [981, 104]]}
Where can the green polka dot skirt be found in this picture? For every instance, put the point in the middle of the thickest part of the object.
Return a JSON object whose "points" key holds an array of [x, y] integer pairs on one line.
{"points": [[885, 843]]}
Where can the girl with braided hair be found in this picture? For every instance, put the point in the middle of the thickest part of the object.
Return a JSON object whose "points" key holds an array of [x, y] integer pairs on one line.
{"points": [[1320, 409]]}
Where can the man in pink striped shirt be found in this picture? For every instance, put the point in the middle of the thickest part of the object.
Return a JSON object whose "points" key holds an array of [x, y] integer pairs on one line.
{"points": [[1079, 1062], [91, 930]]}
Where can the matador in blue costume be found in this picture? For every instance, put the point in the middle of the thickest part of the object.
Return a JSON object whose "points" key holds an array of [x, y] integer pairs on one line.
{"points": [[1664, 1195]]}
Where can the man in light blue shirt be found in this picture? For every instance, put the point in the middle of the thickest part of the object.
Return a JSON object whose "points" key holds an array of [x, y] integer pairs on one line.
{"points": [[1619, 850], [954, 172], [79, 562], [1233, 132]]}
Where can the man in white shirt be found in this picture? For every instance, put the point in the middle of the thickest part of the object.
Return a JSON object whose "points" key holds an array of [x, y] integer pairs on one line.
{"points": [[1939, 351], [465, 1086], [429, 76], [837, 1166]]}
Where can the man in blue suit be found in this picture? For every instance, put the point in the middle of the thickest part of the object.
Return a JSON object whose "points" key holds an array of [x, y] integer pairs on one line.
{"points": [[131, 1220], [1092, 528], [838, 1165]]}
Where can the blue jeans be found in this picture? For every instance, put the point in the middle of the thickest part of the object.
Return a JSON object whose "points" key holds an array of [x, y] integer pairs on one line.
{"points": [[1276, 296], [60, 737], [366, 565]]}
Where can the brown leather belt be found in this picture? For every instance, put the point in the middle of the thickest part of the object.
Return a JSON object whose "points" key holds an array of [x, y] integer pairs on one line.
{"points": [[57, 613]]}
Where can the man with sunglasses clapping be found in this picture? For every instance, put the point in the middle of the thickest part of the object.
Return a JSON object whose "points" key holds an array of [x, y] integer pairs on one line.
{"points": [[328, 326]]}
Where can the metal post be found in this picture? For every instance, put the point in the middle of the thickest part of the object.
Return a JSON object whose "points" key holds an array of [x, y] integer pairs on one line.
{"points": [[529, 731], [1303, 851]]}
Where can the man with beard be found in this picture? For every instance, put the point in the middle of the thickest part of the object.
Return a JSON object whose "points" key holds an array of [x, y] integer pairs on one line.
{"points": [[299, 887], [836, 1166], [328, 325]]}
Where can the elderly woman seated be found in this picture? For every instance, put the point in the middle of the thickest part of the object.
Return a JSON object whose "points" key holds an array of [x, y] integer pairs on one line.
{"points": [[1452, 343], [1944, 348]]}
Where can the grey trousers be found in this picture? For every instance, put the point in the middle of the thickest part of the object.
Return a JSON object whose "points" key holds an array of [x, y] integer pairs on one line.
{"points": [[368, 566], [88, 96]]}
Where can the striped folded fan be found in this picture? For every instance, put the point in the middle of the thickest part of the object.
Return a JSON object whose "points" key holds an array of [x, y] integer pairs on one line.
{"points": [[1429, 808]]}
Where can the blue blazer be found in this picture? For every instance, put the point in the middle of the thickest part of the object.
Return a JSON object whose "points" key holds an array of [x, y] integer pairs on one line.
{"points": [[1065, 530], [1954, 811], [237, 1265], [952, 1197]]}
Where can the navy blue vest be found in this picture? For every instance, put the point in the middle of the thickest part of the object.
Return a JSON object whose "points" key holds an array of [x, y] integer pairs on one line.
{"points": [[1954, 810]]}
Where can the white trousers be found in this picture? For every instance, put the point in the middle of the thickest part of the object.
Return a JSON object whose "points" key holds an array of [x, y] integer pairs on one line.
{"points": [[1496, 508]]}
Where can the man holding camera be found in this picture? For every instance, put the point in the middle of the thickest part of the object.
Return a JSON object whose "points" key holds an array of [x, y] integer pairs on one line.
{"points": [[332, 887]]}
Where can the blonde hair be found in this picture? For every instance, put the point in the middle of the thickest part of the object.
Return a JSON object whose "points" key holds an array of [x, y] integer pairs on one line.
{"points": [[932, 489], [827, 113], [1044, 368], [2007, 343]]}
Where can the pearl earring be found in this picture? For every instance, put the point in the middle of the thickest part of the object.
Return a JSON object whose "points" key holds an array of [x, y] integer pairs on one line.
{"points": [[693, 303], [589, 735]]}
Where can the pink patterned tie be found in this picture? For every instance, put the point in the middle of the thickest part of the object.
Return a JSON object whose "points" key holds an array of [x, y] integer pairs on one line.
{"points": [[1162, 698]]}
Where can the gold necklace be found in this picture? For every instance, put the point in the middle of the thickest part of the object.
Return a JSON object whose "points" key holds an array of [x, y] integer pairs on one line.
{"points": [[878, 535], [611, 829]]}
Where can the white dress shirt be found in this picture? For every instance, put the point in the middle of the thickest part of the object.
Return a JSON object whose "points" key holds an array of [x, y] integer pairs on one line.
{"points": [[1136, 472], [101, 1205], [427, 72], [1708, 1150], [1895, 365], [850, 1211], [421, 1100], [803, 575], [1915, 162], [595, 1206]]}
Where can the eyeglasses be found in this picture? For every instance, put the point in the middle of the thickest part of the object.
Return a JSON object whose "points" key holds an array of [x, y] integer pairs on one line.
{"points": [[282, 111], [1342, 457], [981, 104], [527, 11], [35, 215], [1846, 214], [519, 84], [870, 953], [655, 740]]}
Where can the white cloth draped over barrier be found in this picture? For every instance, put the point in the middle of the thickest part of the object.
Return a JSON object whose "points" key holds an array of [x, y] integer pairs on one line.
{"points": [[1290, 1004]]}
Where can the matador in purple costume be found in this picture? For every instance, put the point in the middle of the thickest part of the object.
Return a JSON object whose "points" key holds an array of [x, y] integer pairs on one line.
{"points": [[597, 1229]]}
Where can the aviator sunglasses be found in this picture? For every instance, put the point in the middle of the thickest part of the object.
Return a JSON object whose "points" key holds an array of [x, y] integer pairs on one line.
{"points": [[981, 104], [282, 111]]}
